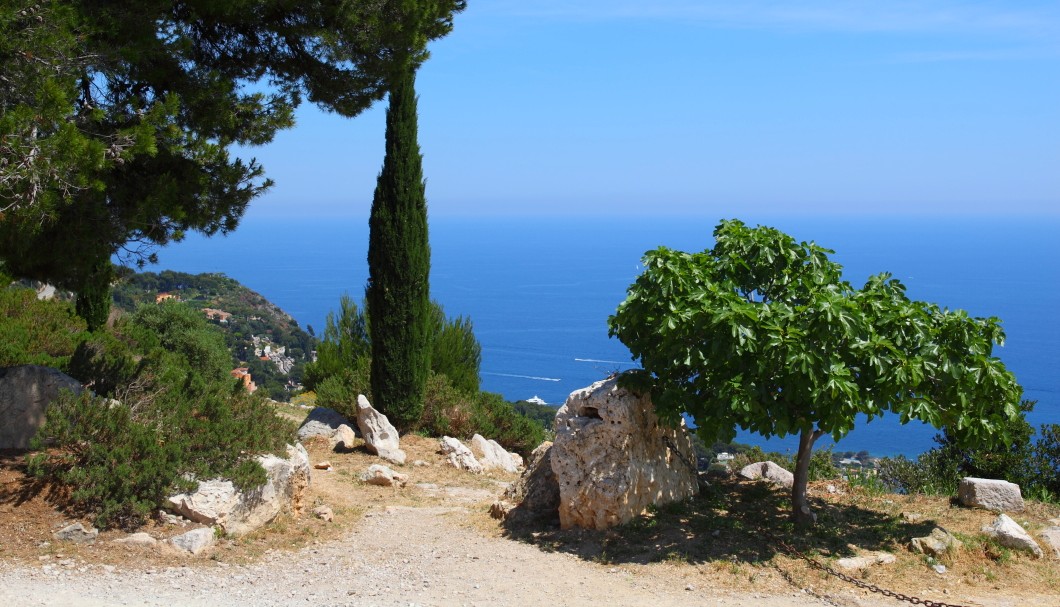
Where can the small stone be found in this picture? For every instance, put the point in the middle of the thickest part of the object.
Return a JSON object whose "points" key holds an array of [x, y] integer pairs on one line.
{"points": [[939, 569], [324, 513], [324, 465], [1009, 533], [861, 562], [137, 539], [377, 474], [420, 463], [195, 541], [690, 587], [344, 439]]}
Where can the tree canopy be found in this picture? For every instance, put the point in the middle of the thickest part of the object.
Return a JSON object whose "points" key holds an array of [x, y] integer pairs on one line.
{"points": [[117, 118], [762, 333]]}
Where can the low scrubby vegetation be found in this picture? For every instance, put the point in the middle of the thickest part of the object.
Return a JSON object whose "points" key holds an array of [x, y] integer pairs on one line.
{"points": [[165, 411]]}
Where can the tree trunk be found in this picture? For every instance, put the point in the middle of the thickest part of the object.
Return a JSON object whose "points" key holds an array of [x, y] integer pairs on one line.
{"points": [[800, 506]]}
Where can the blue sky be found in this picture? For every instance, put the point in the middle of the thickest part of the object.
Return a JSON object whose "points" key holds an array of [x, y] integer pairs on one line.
{"points": [[680, 107]]}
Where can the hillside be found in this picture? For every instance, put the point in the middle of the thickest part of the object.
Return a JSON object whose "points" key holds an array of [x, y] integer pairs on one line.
{"points": [[262, 337]]}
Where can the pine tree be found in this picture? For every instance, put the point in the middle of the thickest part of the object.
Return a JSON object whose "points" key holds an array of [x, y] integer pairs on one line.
{"points": [[398, 291]]}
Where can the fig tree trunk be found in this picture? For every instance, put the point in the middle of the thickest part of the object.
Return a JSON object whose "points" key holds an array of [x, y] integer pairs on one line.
{"points": [[800, 506]]}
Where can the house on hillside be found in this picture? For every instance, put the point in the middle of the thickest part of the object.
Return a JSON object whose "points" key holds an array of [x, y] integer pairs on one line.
{"points": [[166, 297], [243, 373], [219, 315]]}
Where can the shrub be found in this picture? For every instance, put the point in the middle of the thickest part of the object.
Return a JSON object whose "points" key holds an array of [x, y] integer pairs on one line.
{"points": [[822, 466], [339, 392], [34, 332], [180, 413]]}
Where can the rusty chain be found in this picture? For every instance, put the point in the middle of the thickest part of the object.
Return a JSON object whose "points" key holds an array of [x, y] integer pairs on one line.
{"points": [[796, 553]]}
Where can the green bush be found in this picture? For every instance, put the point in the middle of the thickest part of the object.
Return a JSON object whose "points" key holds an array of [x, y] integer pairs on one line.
{"points": [[449, 411], [34, 332], [178, 413], [339, 392], [822, 466]]}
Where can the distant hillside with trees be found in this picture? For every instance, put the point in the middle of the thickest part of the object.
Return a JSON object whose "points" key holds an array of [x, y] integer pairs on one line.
{"points": [[260, 335]]}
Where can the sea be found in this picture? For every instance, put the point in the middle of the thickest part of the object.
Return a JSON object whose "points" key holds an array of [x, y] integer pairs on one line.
{"points": [[539, 290]]}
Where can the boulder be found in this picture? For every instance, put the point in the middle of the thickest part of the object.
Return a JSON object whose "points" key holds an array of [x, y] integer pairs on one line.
{"points": [[990, 494], [936, 544], [492, 455], [377, 474], [769, 471], [77, 533], [344, 439], [864, 561], [218, 502], [324, 513], [380, 437], [195, 541], [25, 393], [1010, 534], [321, 421], [535, 495], [459, 455], [1051, 538], [613, 458]]}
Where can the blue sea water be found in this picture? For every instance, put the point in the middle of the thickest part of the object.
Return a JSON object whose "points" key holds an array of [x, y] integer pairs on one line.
{"points": [[539, 290]]}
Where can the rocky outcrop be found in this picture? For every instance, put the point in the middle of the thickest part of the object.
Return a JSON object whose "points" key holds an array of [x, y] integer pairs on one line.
{"points": [[380, 436], [25, 393], [218, 502], [459, 456], [769, 471], [377, 474], [613, 458], [990, 494], [1010, 534], [535, 495], [77, 533], [493, 456], [322, 422], [936, 544]]}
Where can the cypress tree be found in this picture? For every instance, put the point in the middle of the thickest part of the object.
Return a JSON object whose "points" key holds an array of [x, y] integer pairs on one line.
{"points": [[398, 293]]}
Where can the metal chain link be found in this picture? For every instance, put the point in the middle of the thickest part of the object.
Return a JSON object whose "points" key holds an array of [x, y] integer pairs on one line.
{"points": [[796, 553]]}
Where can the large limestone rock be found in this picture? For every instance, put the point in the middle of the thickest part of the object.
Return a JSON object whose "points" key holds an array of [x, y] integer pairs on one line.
{"points": [[492, 455], [459, 455], [612, 457], [218, 502], [1009, 533], [321, 421], [25, 392], [990, 494], [380, 437], [535, 495], [344, 439], [770, 471]]}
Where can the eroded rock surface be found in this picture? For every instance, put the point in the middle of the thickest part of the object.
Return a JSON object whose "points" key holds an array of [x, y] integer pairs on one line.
{"points": [[321, 421], [25, 392], [936, 544], [613, 458], [492, 455], [378, 474], [535, 495], [459, 455], [770, 471], [380, 436], [990, 494], [1010, 534], [218, 502]]}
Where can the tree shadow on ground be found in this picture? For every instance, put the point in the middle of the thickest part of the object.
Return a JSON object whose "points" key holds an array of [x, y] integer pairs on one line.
{"points": [[18, 487], [730, 521]]}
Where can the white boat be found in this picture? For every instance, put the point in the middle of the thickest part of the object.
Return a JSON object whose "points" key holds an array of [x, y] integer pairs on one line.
{"points": [[537, 400]]}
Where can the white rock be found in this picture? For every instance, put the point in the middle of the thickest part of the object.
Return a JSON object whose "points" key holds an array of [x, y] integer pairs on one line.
{"points": [[459, 455], [380, 436], [990, 494], [868, 560], [324, 513], [1051, 537], [218, 502], [377, 474], [77, 533], [613, 458], [1010, 534], [769, 471], [137, 539], [344, 439], [195, 541], [492, 455]]}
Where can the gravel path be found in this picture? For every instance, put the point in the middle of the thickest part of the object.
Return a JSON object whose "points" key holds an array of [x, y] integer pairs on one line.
{"points": [[405, 556]]}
